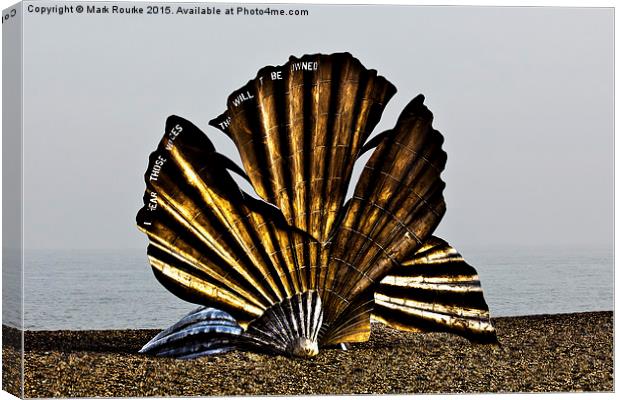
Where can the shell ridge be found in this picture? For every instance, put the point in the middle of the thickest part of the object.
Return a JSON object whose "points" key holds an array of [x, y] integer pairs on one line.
{"points": [[435, 306], [174, 148], [396, 202], [338, 66], [375, 181], [182, 264]]}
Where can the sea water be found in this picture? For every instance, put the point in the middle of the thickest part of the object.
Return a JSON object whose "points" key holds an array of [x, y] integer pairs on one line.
{"points": [[116, 289]]}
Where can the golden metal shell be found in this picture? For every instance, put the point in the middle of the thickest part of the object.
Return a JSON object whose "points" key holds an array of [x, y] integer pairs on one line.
{"points": [[299, 129]]}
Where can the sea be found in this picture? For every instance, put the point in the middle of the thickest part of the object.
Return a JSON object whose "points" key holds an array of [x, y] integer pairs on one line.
{"points": [[116, 289]]}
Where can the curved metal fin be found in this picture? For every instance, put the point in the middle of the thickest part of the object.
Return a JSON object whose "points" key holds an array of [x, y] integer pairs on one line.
{"points": [[396, 205], [375, 141], [204, 331], [231, 165], [435, 290]]}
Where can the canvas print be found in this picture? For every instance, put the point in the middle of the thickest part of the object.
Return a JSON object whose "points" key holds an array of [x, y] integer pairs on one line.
{"points": [[230, 209]]}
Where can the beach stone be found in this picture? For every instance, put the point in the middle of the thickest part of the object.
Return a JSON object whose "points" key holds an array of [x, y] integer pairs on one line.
{"points": [[547, 353]]}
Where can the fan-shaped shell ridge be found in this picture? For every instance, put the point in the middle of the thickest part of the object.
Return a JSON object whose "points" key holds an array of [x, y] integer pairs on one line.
{"points": [[299, 128], [211, 243], [434, 289], [290, 327], [396, 205]]}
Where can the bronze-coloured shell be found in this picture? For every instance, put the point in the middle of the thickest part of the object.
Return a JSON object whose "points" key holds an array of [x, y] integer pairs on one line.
{"points": [[303, 267]]}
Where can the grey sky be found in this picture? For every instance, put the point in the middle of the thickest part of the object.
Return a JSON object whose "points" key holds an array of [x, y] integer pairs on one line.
{"points": [[523, 96]]}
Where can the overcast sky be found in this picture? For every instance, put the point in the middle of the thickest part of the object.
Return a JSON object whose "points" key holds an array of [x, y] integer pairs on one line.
{"points": [[523, 96]]}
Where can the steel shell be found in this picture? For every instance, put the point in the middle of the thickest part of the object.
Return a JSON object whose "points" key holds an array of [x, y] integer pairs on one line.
{"points": [[302, 266]]}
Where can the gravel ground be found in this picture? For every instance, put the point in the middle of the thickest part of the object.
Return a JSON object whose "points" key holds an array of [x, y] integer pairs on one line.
{"points": [[567, 352]]}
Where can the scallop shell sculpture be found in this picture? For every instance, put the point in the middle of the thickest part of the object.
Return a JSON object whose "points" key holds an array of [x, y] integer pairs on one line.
{"points": [[303, 267]]}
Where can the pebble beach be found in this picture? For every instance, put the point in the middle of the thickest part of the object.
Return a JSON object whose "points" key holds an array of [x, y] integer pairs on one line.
{"points": [[546, 353]]}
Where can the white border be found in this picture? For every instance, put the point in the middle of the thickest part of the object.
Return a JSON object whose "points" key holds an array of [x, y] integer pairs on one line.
{"points": [[531, 3]]}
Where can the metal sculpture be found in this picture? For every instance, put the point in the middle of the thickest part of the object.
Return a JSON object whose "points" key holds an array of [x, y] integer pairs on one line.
{"points": [[303, 267]]}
